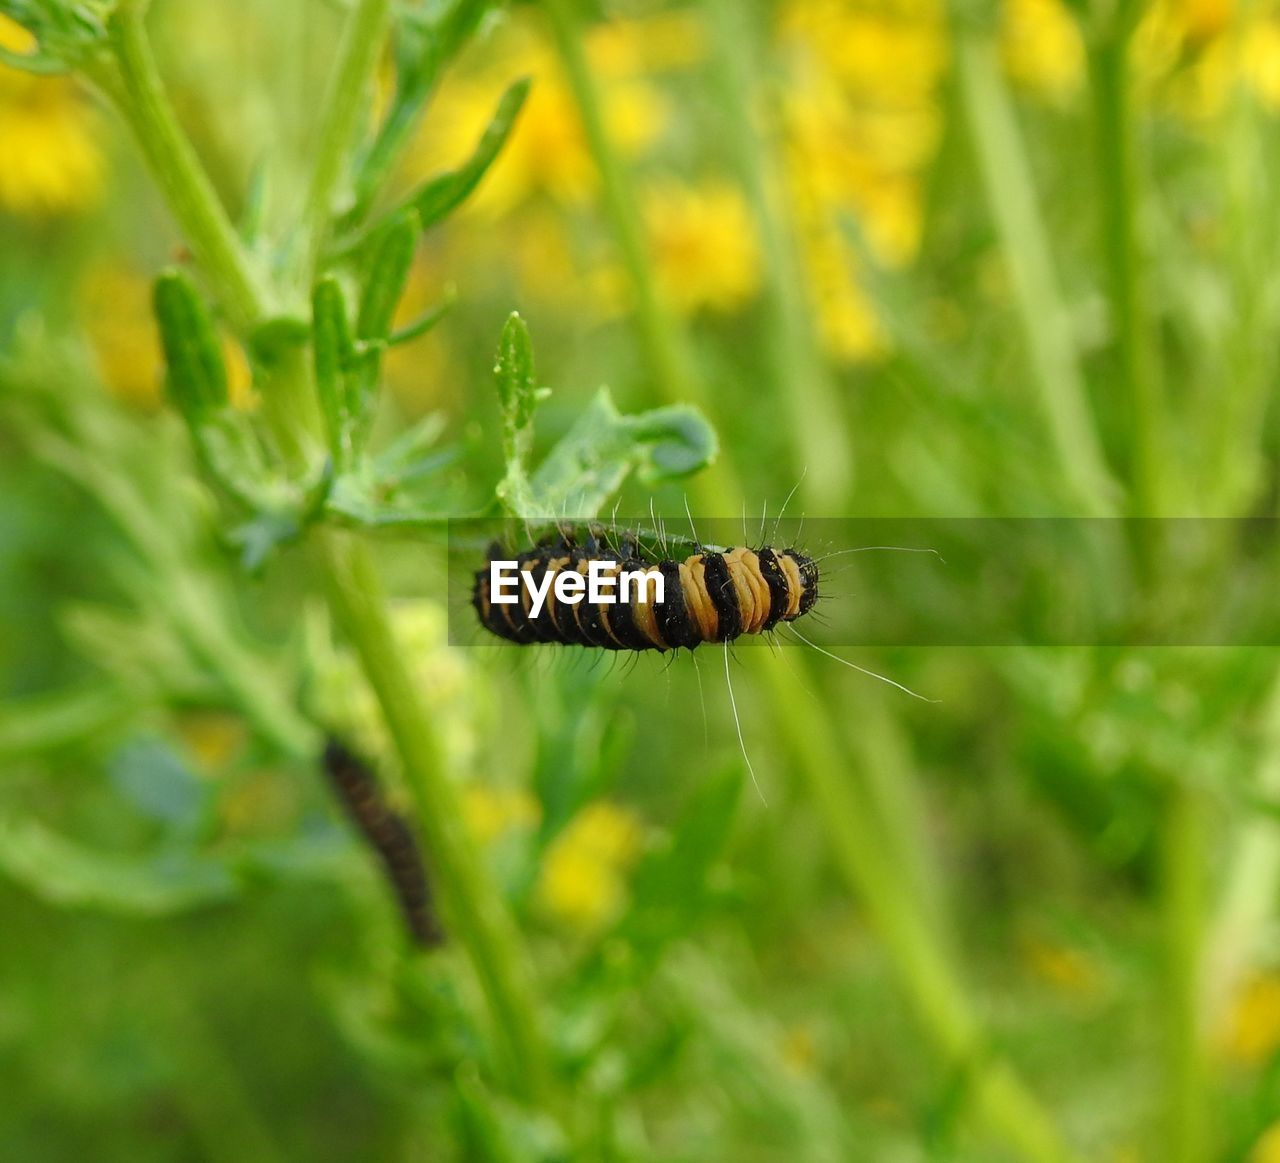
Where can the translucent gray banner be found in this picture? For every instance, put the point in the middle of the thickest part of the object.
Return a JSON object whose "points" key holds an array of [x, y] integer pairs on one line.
{"points": [[964, 581]]}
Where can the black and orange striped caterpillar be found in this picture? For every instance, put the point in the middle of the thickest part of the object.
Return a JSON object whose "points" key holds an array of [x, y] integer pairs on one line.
{"points": [[390, 836], [710, 596]]}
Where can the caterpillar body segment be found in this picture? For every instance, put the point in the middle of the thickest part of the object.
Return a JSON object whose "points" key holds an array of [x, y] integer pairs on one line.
{"points": [[710, 596]]}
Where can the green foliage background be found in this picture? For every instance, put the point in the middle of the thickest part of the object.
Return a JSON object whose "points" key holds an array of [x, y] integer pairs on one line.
{"points": [[924, 261]]}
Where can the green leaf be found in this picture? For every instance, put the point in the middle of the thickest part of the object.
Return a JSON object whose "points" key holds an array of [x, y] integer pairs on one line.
{"points": [[35, 63], [517, 389], [64, 872], [197, 377], [388, 272], [446, 192], [427, 37], [594, 457], [333, 351], [64, 719], [426, 321], [518, 394]]}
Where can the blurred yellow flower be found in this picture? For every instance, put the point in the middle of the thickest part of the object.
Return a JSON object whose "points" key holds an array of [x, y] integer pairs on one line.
{"points": [[1252, 1033], [1206, 19], [491, 812], [547, 153], [581, 883], [1260, 52], [1042, 48], [703, 244], [862, 119], [658, 42], [1267, 1148], [213, 738], [115, 305], [49, 160], [1191, 55], [1067, 969]]}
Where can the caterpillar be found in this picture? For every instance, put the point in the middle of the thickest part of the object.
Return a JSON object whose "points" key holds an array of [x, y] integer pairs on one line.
{"points": [[711, 596], [390, 835]]}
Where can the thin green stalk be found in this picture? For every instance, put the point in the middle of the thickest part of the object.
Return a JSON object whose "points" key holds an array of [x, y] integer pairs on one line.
{"points": [[864, 857], [1183, 858], [473, 908], [801, 381], [144, 104], [1234, 406], [362, 41], [1118, 205], [1042, 311], [664, 344], [1250, 884]]}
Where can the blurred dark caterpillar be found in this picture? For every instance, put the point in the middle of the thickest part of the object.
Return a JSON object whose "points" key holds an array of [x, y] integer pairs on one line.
{"points": [[710, 596], [389, 834]]}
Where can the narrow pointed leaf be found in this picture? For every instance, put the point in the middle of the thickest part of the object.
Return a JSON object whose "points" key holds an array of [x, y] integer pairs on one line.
{"points": [[197, 377]]}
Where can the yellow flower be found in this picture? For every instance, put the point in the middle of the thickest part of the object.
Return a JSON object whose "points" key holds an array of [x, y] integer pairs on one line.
{"points": [[703, 245], [49, 160], [1252, 1034], [861, 120], [1190, 55], [1260, 53], [581, 883], [1042, 48], [658, 42], [491, 812]]}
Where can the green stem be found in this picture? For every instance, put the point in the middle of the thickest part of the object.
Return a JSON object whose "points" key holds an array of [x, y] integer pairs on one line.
{"points": [[1042, 311], [145, 105], [1183, 859], [1253, 875], [1234, 402], [664, 347], [819, 430], [473, 908], [362, 42], [864, 857], [1118, 203]]}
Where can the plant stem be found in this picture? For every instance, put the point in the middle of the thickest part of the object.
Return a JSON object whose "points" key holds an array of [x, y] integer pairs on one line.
{"points": [[664, 344], [176, 169], [1113, 114], [864, 857], [800, 377], [358, 54], [473, 908], [1182, 854], [1045, 319]]}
